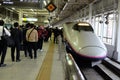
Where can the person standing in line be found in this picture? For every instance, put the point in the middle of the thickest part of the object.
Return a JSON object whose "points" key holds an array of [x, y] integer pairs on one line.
{"points": [[40, 38], [16, 34], [25, 43], [3, 45], [56, 34], [32, 38]]}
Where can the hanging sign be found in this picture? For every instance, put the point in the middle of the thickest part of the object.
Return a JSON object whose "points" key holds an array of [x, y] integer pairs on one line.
{"points": [[50, 7]]}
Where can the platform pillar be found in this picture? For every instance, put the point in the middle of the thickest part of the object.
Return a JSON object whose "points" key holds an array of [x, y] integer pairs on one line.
{"points": [[118, 30], [20, 16], [90, 13]]}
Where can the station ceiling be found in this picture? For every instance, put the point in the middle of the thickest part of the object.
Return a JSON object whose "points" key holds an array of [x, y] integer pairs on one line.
{"points": [[64, 8]]}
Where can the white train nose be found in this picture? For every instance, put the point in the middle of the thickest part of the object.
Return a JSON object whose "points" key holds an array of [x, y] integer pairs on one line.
{"points": [[93, 52]]}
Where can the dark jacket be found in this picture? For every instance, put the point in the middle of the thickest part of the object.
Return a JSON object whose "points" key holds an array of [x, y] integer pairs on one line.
{"points": [[16, 34], [24, 35]]}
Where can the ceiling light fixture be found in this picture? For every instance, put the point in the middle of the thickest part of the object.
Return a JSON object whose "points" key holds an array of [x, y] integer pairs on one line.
{"points": [[31, 9], [45, 2], [13, 8]]}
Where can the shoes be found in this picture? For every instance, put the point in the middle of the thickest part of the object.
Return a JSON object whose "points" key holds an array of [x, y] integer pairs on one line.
{"points": [[13, 60], [35, 57], [2, 65], [41, 50], [31, 57], [18, 60]]}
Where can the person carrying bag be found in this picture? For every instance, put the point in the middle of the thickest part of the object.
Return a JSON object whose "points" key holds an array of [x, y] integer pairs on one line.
{"points": [[3, 44], [32, 38]]}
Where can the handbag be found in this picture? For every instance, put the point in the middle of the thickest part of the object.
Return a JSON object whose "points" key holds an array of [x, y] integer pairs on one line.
{"points": [[9, 41]]}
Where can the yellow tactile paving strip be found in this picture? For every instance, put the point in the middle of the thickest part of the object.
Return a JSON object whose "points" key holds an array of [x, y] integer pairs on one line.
{"points": [[45, 70]]}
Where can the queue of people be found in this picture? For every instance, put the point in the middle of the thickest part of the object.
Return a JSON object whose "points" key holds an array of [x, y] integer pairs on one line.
{"points": [[29, 38]]}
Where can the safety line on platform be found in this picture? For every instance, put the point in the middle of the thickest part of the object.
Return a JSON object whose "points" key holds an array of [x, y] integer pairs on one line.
{"points": [[46, 68]]}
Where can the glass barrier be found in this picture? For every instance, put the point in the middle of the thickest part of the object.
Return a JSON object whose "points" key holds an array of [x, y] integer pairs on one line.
{"points": [[72, 70]]}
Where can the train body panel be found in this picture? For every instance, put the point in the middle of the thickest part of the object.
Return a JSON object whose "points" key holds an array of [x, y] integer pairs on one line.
{"points": [[84, 43]]}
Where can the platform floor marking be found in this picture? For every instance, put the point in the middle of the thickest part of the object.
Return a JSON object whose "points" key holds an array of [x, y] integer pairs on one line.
{"points": [[46, 68]]}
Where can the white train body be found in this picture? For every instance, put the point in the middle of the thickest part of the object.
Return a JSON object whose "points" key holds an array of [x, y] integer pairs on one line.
{"points": [[85, 43]]}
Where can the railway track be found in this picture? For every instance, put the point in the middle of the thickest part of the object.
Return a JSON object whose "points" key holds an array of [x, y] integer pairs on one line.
{"points": [[107, 70]]}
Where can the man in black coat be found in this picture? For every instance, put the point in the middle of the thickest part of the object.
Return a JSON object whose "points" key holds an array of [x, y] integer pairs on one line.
{"points": [[16, 34], [56, 34]]}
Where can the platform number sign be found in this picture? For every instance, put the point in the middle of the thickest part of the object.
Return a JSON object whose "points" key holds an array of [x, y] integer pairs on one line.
{"points": [[50, 7]]}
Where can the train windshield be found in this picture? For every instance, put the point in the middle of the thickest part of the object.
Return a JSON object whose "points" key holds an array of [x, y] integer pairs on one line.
{"points": [[83, 26]]}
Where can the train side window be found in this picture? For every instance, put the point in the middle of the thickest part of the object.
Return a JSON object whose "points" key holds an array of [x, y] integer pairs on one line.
{"points": [[88, 28], [76, 27], [84, 28]]}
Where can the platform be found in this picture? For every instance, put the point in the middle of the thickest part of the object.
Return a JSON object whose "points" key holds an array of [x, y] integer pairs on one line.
{"points": [[47, 66]]}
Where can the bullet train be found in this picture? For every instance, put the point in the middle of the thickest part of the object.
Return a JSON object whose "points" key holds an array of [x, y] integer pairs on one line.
{"points": [[82, 42]]}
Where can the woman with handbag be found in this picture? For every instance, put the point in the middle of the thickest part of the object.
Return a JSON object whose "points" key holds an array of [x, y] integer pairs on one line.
{"points": [[3, 45]]}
